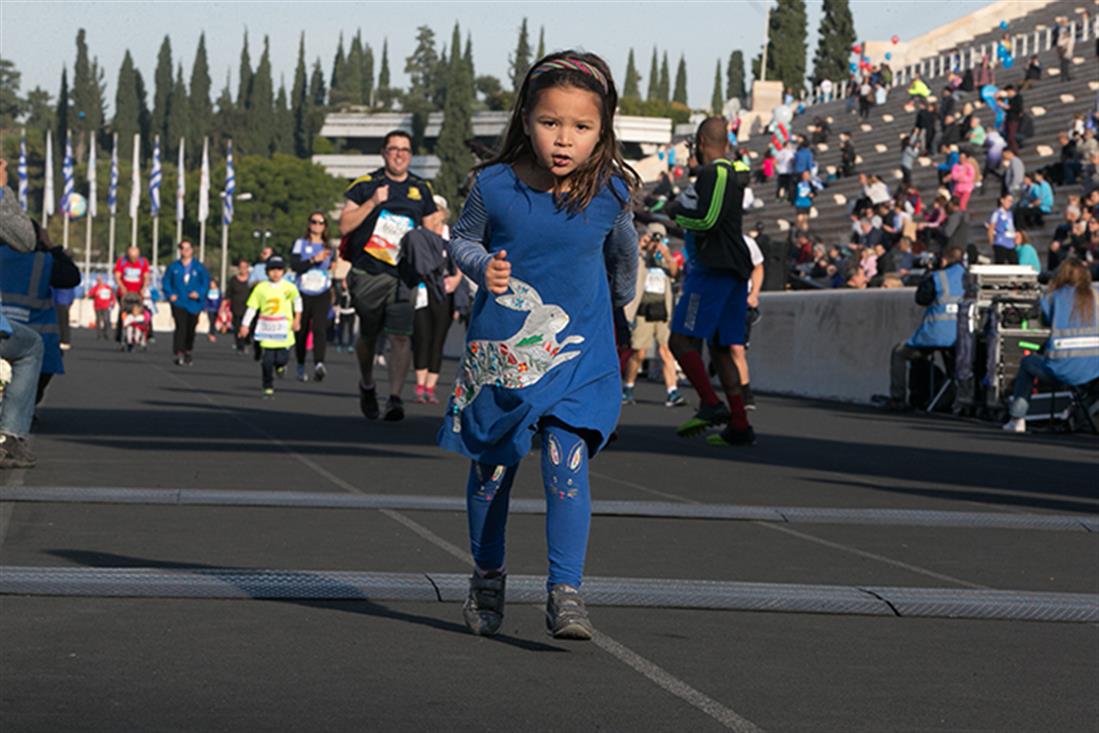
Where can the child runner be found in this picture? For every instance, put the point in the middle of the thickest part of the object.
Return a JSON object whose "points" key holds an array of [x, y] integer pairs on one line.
{"points": [[547, 233], [278, 304]]}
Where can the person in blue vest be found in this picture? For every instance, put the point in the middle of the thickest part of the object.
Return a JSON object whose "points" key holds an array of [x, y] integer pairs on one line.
{"points": [[1071, 353], [312, 260], [186, 283], [20, 346], [941, 291]]}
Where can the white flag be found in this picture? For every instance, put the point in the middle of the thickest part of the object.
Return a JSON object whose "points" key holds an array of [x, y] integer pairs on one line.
{"points": [[181, 186], [91, 177], [47, 204], [135, 181], [204, 183]]}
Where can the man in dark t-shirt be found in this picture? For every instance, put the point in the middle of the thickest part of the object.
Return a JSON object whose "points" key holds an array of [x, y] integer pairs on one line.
{"points": [[381, 208]]}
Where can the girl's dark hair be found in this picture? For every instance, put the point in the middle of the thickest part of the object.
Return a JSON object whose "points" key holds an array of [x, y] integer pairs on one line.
{"points": [[606, 159], [1074, 274], [324, 234]]}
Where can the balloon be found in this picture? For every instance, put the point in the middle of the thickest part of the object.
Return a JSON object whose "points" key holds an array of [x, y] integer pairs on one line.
{"points": [[1008, 62], [853, 66], [888, 56], [1003, 25], [866, 59], [78, 206], [856, 49], [895, 39]]}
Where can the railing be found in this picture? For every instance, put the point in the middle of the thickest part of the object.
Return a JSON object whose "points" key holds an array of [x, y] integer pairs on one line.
{"points": [[1022, 46]]}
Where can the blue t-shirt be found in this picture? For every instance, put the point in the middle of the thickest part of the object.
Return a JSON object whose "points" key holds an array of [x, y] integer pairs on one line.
{"points": [[1003, 223], [317, 279], [804, 198]]}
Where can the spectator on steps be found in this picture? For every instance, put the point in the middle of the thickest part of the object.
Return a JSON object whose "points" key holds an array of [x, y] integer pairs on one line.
{"points": [[1065, 42], [976, 135], [1028, 256], [1001, 232], [847, 156], [1013, 107], [918, 89], [1033, 74], [963, 175], [1037, 204], [1014, 174]]}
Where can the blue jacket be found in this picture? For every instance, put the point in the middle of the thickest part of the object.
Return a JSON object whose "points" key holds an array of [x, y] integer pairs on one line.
{"points": [[1072, 351], [939, 329], [25, 284], [181, 282], [803, 160]]}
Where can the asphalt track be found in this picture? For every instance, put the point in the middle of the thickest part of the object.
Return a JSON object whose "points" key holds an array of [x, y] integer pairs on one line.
{"points": [[133, 421]]}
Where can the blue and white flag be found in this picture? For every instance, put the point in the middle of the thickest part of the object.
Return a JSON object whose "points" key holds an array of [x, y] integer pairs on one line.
{"points": [[230, 183], [47, 193], [92, 191], [112, 187], [67, 173], [154, 179], [22, 170], [135, 182], [181, 186], [204, 183]]}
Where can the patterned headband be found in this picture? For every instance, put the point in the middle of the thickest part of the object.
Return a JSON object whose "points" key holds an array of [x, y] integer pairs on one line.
{"points": [[571, 64]]}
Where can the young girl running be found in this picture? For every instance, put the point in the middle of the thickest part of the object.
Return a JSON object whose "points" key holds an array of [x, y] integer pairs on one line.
{"points": [[547, 232]]}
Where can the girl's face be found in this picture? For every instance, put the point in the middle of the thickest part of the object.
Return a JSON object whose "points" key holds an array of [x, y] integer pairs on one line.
{"points": [[564, 128]]}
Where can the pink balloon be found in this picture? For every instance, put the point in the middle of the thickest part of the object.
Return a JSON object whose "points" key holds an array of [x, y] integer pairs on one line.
{"points": [[896, 39]]}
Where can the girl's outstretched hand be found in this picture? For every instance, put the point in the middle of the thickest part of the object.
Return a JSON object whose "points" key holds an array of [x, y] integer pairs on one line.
{"points": [[498, 273]]}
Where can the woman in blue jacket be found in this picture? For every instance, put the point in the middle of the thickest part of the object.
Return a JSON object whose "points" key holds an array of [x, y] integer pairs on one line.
{"points": [[185, 284], [1071, 354]]}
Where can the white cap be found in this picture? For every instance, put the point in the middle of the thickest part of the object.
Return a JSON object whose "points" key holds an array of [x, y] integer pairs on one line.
{"points": [[440, 203]]}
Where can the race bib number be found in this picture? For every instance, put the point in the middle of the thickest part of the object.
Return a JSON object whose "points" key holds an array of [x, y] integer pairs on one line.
{"points": [[385, 242], [952, 309], [421, 296], [314, 281], [655, 281], [273, 328], [131, 274]]}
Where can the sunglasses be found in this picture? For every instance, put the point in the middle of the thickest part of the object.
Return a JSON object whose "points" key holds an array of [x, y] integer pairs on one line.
{"points": [[316, 221]]}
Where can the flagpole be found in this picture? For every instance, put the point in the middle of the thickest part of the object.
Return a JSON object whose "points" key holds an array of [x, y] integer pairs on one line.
{"points": [[67, 188], [112, 202], [179, 195], [91, 212], [224, 251], [135, 189], [47, 192], [203, 199], [227, 209], [154, 205]]}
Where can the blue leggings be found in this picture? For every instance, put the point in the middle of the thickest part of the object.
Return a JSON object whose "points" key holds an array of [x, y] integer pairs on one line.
{"points": [[568, 506]]}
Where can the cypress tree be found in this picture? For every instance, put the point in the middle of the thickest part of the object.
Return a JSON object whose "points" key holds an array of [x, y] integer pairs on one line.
{"points": [[654, 79], [282, 136], [299, 104], [178, 115], [368, 75], [541, 52], [244, 88], [734, 76], [350, 90], [455, 158], [317, 92], [422, 68], [63, 123], [40, 112], [144, 116], [786, 45], [836, 37], [520, 62], [631, 86], [385, 92], [99, 102], [163, 82], [201, 120], [468, 56], [664, 86], [87, 114], [225, 117], [717, 100], [334, 89], [680, 94], [261, 124]]}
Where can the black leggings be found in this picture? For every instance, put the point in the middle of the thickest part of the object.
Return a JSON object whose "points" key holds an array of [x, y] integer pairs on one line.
{"points": [[314, 317], [272, 358], [183, 341], [429, 329]]}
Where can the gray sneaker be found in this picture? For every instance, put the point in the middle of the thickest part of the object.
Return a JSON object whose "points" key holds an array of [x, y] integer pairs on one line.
{"points": [[483, 610], [566, 616], [15, 453]]}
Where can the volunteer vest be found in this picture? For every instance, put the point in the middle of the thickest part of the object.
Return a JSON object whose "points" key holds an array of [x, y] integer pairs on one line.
{"points": [[25, 283], [939, 329], [1072, 351]]}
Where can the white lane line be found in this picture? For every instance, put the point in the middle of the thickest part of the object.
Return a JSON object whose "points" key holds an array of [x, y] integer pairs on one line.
{"points": [[656, 674]]}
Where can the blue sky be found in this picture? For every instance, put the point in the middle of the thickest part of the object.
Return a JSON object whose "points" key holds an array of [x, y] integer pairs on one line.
{"points": [[30, 31]]}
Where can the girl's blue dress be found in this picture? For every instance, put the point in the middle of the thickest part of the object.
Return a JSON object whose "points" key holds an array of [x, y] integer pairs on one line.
{"points": [[546, 347]]}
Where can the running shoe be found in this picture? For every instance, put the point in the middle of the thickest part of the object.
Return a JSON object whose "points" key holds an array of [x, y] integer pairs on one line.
{"points": [[1015, 425], [675, 399], [268, 393], [319, 372], [302, 376], [708, 416], [483, 610], [281, 371], [421, 394], [731, 437], [566, 616], [15, 453], [394, 409], [368, 403], [749, 398], [178, 359], [187, 360], [627, 396], [429, 395]]}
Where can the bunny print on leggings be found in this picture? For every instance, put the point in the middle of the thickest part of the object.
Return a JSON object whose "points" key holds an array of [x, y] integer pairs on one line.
{"points": [[520, 360]]}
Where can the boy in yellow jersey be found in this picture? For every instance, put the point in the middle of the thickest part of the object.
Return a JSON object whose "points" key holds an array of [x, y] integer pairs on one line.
{"points": [[278, 304]]}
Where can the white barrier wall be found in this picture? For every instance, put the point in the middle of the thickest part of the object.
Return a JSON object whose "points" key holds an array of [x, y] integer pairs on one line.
{"points": [[830, 344]]}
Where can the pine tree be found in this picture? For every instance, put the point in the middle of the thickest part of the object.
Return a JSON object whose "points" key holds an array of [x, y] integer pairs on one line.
{"points": [[717, 100], [350, 90], [338, 63], [664, 87], [368, 75], [786, 47], [631, 86], [179, 109], [317, 92], [836, 37], [734, 76], [11, 106], [680, 94], [261, 123], [299, 104], [654, 79], [87, 114], [422, 68], [455, 158], [40, 111], [201, 120], [520, 62], [244, 88], [385, 91], [163, 82], [541, 52]]}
